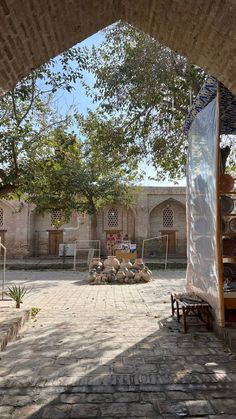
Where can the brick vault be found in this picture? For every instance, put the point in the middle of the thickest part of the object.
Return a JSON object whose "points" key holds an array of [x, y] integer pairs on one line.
{"points": [[33, 31]]}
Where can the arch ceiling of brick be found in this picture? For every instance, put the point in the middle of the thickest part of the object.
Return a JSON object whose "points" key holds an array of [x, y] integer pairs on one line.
{"points": [[33, 31]]}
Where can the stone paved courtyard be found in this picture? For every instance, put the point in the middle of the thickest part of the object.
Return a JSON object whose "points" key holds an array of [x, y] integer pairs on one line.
{"points": [[112, 352]]}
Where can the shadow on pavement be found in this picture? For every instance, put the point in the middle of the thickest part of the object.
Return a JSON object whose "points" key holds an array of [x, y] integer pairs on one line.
{"points": [[97, 372]]}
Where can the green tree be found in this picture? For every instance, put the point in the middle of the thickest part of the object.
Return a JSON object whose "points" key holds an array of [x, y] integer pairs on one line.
{"points": [[70, 174], [46, 164], [147, 88], [27, 114]]}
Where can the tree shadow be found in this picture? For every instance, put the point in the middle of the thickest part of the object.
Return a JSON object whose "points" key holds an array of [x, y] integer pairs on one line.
{"points": [[107, 369], [41, 279]]}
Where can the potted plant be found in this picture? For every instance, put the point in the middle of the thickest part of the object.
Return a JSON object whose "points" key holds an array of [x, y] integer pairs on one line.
{"points": [[16, 293]]}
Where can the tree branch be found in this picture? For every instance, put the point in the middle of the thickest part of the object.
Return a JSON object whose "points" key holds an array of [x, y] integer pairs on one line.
{"points": [[7, 189], [19, 118], [33, 81]]}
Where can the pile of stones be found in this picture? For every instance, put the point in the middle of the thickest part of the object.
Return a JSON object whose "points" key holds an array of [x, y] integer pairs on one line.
{"points": [[111, 271]]}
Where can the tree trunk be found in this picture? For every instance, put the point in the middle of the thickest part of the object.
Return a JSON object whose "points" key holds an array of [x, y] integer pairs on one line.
{"points": [[94, 234]]}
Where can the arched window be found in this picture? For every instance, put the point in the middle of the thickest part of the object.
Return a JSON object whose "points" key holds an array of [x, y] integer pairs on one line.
{"points": [[113, 218], [168, 217], [56, 217], [1, 217]]}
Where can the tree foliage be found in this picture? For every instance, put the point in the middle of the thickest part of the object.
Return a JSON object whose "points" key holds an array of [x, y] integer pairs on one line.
{"points": [[147, 88], [68, 174], [27, 114], [42, 161]]}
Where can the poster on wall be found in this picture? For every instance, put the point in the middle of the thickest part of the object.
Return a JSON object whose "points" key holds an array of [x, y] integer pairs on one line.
{"points": [[117, 241], [133, 248], [202, 271], [125, 246], [113, 240]]}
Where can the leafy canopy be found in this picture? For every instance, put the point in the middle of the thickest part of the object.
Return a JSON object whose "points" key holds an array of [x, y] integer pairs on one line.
{"points": [[27, 113], [147, 88], [42, 160], [70, 174]]}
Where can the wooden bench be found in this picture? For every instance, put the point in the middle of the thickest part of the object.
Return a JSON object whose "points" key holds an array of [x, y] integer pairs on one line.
{"points": [[184, 306]]}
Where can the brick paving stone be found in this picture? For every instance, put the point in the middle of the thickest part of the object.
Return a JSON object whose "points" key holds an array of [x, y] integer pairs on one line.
{"points": [[170, 407], [100, 398], [112, 351], [25, 412], [126, 397], [6, 411], [199, 407], [141, 410], [85, 411], [114, 410], [224, 406], [73, 398], [15, 400], [181, 395], [222, 416], [150, 397], [60, 411]]}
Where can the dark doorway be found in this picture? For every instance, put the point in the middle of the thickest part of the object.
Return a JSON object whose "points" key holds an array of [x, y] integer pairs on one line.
{"points": [[171, 241], [55, 238]]}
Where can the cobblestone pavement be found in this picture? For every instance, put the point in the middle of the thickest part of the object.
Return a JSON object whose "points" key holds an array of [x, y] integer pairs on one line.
{"points": [[112, 352]]}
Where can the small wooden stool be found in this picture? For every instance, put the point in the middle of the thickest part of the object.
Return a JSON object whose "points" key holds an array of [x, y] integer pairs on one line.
{"points": [[185, 306]]}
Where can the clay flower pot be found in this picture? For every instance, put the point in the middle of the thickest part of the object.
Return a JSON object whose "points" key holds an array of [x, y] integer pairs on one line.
{"points": [[104, 276], [120, 275], [95, 263], [109, 270], [146, 275], [137, 277], [130, 274], [112, 262], [138, 264], [92, 275], [110, 273], [226, 183], [124, 269], [126, 264]]}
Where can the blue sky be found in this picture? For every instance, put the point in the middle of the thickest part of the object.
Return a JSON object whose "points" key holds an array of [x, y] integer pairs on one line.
{"points": [[79, 98]]}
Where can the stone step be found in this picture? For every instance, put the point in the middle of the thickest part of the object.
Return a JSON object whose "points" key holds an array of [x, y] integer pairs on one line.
{"points": [[11, 322]]}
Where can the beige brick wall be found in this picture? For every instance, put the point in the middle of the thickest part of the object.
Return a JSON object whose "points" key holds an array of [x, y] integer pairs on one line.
{"points": [[126, 225], [179, 223], [15, 222], [27, 231], [78, 228], [150, 201]]}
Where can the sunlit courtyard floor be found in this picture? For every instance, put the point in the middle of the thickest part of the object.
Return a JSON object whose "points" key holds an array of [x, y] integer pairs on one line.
{"points": [[112, 351]]}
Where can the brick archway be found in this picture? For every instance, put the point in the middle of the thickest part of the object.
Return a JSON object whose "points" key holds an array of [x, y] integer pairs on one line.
{"points": [[176, 231], [34, 31]]}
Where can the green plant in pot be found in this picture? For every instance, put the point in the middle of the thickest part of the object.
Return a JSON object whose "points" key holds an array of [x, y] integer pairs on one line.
{"points": [[16, 293]]}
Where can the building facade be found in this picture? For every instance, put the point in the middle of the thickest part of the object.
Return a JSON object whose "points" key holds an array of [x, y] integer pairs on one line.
{"points": [[158, 212]]}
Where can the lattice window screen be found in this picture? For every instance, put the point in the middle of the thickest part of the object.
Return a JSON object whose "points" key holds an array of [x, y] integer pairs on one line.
{"points": [[113, 217], [56, 217], [168, 217], [1, 217]]}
